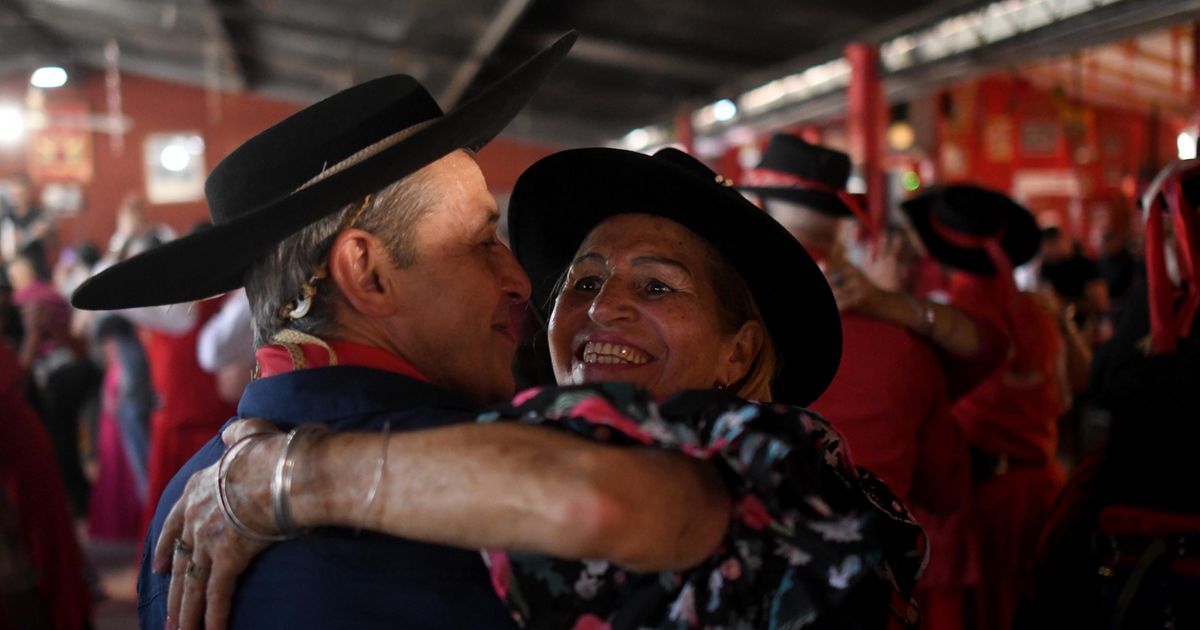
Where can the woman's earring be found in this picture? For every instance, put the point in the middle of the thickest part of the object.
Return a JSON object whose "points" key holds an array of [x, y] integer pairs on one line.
{"points": [[719, 386]]}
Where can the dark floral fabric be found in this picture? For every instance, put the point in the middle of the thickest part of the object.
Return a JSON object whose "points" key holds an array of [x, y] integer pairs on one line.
{"points": [[813, 541]]}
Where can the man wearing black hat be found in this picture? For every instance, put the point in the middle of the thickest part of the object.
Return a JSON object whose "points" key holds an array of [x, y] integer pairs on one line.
{"points": [[802, 187], [889, 398]]}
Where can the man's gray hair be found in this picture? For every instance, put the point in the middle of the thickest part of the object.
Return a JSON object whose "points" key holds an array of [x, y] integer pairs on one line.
{"points": [[277, 279]]}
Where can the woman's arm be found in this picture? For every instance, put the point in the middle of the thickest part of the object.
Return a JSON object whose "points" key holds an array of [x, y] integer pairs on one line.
{"points": [[946, 327]]}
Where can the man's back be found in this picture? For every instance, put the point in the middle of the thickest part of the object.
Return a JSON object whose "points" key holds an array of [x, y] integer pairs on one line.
{"points": [[335, 578], [889, 401]]}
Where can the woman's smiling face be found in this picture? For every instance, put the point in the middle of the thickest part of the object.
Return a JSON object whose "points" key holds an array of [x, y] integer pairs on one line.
{"points": [[638, 305]]}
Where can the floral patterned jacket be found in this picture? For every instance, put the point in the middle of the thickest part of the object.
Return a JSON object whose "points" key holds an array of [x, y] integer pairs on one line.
{"points": [[813, 542]]}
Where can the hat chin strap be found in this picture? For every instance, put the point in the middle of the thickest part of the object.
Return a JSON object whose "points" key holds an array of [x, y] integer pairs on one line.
{"points": [[1004, 277], [990, 243]]}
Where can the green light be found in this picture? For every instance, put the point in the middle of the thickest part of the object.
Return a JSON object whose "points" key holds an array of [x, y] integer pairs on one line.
{"points": [[911, 181]]}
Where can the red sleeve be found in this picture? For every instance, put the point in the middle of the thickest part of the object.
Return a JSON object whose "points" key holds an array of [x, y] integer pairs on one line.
{"points": [[963, 373]]}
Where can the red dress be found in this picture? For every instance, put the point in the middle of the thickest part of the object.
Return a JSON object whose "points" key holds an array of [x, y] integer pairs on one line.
{"points": [[1011, 418], [190, 410], [115, 509], [33, 490]]}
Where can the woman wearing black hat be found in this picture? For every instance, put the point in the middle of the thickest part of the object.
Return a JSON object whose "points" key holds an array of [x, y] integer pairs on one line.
{"points": [[663, 276], [1009, 420]]}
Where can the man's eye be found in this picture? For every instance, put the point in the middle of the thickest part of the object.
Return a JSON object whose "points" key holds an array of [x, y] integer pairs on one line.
{"points": [[590, 283]]}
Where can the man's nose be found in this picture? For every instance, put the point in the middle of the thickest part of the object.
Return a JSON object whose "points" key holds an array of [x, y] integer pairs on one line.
{"points": [[513, 279]]}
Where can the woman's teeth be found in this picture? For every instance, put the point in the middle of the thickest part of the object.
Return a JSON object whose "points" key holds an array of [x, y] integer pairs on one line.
{"points": [[605, 353]]}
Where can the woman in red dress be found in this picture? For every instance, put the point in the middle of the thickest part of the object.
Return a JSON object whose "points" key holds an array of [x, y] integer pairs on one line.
{"points": [[1010, 419]]}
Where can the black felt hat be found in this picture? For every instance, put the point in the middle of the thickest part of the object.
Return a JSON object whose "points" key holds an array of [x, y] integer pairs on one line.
{"points": [[557, 202], [306, 167], [818, 173], [962, 212]]}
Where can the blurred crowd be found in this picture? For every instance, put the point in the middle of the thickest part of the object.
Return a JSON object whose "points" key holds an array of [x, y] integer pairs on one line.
{"points": [[101, 409]]}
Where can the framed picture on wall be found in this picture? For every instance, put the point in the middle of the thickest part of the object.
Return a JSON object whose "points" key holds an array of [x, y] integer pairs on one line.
{"points": [[1039, 138], [174, 167]]}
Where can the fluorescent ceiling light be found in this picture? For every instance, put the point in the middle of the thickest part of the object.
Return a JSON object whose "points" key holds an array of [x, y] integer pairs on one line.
{"points": [[48, 77]]}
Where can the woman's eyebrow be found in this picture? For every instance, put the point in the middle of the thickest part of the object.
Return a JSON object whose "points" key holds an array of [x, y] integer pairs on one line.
{"points": [[659, 260], [589, 257]]}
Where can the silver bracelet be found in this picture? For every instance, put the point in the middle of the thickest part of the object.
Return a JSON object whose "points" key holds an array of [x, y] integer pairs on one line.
{"points": [[379, 470], [223, 466], [281, 481]]}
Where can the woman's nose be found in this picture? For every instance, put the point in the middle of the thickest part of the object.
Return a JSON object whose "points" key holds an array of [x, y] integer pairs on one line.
{"points": [[611, 303]]}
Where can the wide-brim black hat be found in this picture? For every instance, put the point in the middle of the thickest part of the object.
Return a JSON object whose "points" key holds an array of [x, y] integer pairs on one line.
{"points": [[306, 167], [561, 198], [790, 155], [974, 212]]}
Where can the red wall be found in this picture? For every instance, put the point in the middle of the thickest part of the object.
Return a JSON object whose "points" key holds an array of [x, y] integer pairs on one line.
{"points": [[156, 107], [1104, 148]]}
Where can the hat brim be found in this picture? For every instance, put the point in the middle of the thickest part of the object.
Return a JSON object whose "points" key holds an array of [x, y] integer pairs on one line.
{"points": [[822, 202], [1021, 241], [557, 202], [215, 261]]}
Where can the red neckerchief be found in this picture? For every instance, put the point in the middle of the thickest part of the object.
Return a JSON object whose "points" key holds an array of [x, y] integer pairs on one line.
{"points": [[1172, 308], [276, 358]]}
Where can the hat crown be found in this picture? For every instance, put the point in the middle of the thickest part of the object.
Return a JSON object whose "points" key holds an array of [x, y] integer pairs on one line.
{"points": [[971, 209], [789, 154], [686, 162], [278, 161]]}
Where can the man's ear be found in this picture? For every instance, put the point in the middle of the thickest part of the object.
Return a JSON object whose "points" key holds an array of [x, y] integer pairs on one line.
{"points": [[357, 262], [743, 348]]}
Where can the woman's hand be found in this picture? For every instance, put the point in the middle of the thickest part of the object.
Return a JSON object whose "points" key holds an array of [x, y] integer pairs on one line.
{"points": [[199, 547]]}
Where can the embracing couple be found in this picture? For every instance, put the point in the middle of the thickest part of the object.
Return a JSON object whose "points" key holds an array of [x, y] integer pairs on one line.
{"points": [[380, 447]]}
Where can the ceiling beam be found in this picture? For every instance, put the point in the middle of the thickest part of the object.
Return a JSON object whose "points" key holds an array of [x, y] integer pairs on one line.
{"points": [[1113, 22], [650, 61], [222, 30], [141, 19], [47, 41], [498, 28]]}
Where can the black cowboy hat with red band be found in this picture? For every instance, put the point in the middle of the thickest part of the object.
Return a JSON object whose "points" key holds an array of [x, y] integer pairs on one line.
{"points": [[306, 167], [973, 229], [807, 174], [561, 198]]}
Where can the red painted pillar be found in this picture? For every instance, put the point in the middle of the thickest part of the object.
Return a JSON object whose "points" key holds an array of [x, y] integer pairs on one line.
{"points": [[865, 124], [1195, 100], [684, 133]]}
